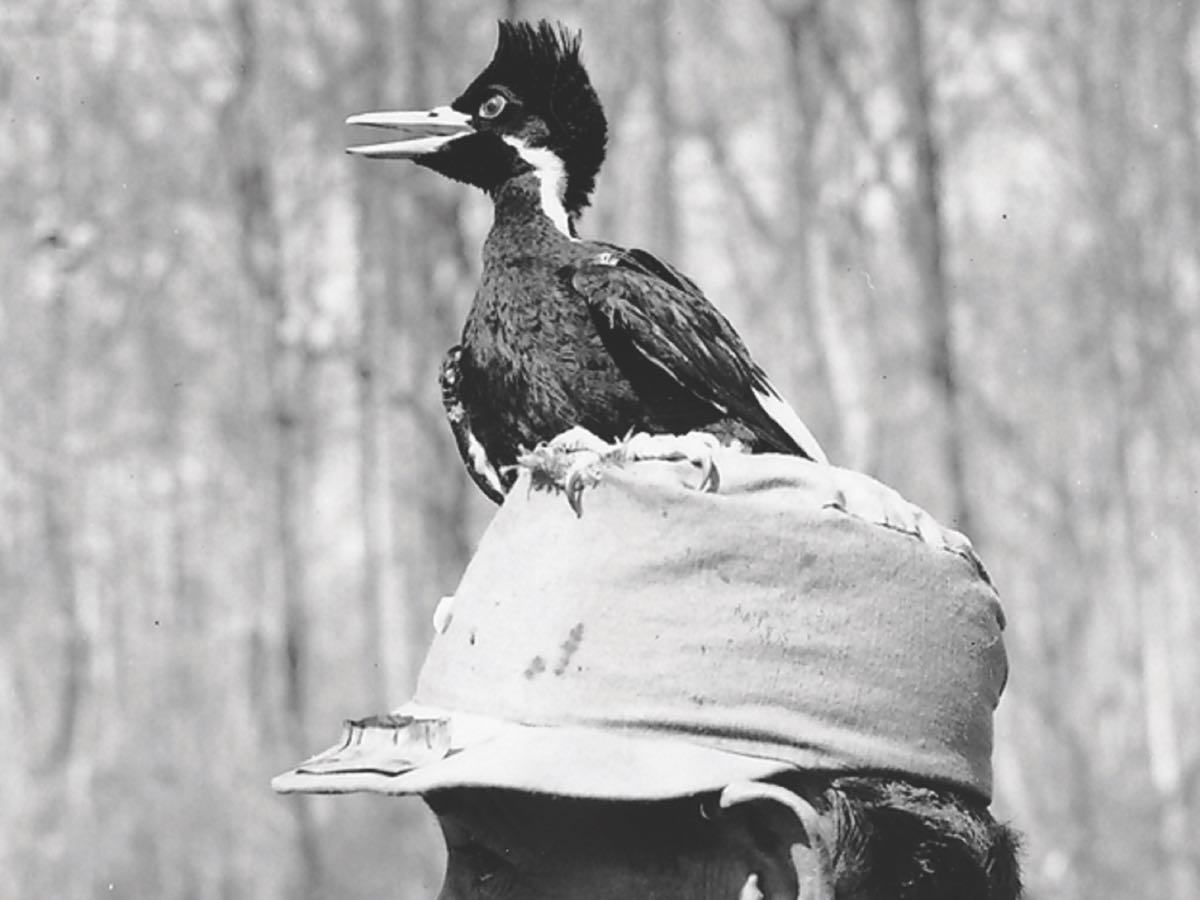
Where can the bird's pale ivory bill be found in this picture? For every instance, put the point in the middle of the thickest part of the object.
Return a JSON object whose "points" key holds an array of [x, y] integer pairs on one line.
{"points": [[421, 131]]}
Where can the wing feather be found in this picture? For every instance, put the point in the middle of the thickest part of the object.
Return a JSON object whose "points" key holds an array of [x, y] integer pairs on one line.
{"points": [[682, 356], [482, 469]]}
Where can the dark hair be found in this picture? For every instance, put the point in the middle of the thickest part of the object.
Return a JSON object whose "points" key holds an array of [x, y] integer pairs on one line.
{"points": [[903, 840]]}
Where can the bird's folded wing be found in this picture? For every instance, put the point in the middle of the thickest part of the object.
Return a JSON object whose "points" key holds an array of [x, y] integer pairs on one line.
{"points": [[483, 470], [681, 355]]}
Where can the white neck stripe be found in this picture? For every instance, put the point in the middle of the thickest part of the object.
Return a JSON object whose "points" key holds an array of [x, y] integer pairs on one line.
{"points": [[552, 176]]}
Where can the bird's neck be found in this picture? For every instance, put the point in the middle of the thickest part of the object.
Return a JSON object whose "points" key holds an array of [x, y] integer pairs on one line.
{"points": [[532, 202]]}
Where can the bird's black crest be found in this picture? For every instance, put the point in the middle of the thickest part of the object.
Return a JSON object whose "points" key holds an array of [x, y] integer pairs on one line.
{"points": [[537, 50], [540, 64]]}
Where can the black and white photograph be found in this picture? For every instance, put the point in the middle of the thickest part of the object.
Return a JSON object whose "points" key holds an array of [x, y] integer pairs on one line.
{"points": [[577, 450]]}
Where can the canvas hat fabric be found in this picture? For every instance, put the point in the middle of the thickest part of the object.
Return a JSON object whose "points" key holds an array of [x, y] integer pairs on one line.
{"points": [[671, 641]]}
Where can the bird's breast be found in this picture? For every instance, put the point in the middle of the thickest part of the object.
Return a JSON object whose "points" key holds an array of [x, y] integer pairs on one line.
{"points": [[534, 364]]}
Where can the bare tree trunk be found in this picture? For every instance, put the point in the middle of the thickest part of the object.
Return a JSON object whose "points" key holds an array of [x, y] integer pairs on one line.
{"points": [[71, 644], [928, 249], [1130, 362], [807, 250], [428, 488], [1184, 34], [1125, 371], [664, 208], [164, 390], [378, 242], [261, 257], [843, 370], [1138, 307], [1182, 820], [804, 102]]}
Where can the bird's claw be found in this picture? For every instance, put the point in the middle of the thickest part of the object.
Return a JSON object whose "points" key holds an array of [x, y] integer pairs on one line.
{"points": [[696, 447], [865, 498], [577, 439], [583, 473], [575, 460], [571, 462]]}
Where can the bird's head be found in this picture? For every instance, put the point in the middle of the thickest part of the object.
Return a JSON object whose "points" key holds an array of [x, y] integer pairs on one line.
{"points": [[532, 109]]}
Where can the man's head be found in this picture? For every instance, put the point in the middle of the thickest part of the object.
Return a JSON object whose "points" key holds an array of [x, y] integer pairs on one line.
{"points": [[514, 844], [867, 838], [754, 693]]}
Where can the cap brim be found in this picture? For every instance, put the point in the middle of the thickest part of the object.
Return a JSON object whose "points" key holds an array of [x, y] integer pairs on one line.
{"points": [[562, 760]]}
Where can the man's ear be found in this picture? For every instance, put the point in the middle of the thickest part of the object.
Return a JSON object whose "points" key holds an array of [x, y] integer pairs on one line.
{"points": [[805, 870]]}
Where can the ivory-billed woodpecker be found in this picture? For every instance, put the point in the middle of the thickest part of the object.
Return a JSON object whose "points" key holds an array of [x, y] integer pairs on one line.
{"points": [[564, 331]]}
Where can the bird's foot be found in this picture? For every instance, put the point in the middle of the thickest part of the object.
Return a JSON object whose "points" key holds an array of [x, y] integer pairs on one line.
{"points": [[579, 440], [696, 447], [570, 462], [576, 459], [865, 498]]}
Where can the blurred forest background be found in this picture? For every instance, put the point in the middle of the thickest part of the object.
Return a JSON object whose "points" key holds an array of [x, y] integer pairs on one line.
{"points": [[962, 235]]}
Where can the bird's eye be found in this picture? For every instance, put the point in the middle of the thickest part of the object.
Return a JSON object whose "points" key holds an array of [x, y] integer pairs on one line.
{"points": [[492, 106]]}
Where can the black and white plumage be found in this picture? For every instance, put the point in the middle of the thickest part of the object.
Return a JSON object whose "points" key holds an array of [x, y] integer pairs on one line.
{"points": [[566, 332]]}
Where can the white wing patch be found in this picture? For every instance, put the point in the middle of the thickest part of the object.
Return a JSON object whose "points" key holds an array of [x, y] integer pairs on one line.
{"points": [[553, 178], [779, 410], [482, 465], [477, 457]]}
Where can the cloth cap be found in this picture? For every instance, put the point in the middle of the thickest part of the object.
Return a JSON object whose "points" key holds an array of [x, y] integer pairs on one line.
{"points": [[671, 641]]}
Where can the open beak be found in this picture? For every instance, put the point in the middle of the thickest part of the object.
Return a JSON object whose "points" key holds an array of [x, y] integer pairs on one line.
{"points": [[421, 132]]}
